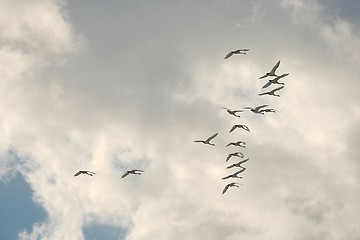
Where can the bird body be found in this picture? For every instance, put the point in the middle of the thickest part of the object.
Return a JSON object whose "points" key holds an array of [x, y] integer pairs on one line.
{"points": [[135, 171], [235, 174], [239, 126], [207, 141], [275, 80], [235, 154], [256, 109], [272, 72], [233, 112], [239, 51], [238, 164], [233, 184], [84, 172], [238, 144], [272, 92]]}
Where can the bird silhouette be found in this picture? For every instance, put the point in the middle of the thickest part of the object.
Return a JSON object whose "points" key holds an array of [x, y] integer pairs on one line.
{"points": [[275, 80], [235, 174], [272, 72], [84, 172], [239, 126], [233, 112], [135, 171], [238, 164], [257, 109], [207, 141], [238, 144], [233, 184], [239, 51], [235, 154], [272, 92]]}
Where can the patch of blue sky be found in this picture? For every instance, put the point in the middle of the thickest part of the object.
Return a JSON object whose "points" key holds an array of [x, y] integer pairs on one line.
{"points": [[95, 231], [18, 211]]}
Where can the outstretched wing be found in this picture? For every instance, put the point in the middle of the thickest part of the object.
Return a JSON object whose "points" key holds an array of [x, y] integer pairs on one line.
{"points": [[229, 55], [227, 177], [276, 89], [233, 128], [261, 106], [137, 170], [246, 128], [263, 76], [225, 189], [231, 166], [267, 84], [228, 157], [213, 136], [125, 174], [77, 174], [275, 67]]}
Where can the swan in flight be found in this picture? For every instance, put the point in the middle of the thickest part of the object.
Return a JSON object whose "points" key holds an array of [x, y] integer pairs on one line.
{"points": [[233, 112], [239, 51], [238, 144], [238, 164], [256, 109], [207, 141], [272, 92], [275, 80], [84, 172], [239, 126], [235, 154], [135, 171], [272, 72], [233, 184], [235, 174]]}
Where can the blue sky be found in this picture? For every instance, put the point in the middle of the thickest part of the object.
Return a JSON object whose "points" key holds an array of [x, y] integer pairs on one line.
{"points": [[119, 85]]}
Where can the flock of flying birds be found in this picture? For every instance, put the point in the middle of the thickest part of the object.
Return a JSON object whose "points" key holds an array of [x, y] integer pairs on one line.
{"points": [[262, 109]]}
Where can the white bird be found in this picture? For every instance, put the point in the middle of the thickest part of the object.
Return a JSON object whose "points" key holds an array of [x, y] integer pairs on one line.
{"points": [[272, 72], [207, 141], [233, 112], [84, 172], [272, 92], [256, 109], [275, 80], [238, 164], [239, 126], [239, 51], [238, 144], [235, 154], [235, 174], [135, 171], [233, 184]]}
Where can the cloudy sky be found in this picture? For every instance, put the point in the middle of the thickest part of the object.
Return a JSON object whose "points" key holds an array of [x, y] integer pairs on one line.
{"points": [[108, 86]]}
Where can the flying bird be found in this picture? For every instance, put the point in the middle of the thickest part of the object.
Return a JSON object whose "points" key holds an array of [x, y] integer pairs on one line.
{"points": [[238, 144], [235, 154], [239, 126], [233, 112], [135, 171], [272, 92], [233, 184], [84, 172], [275, 80], [235, 174], [239, 51], [272, 72], [256, 109], [238, 164], [268, 110], [207, 141]]}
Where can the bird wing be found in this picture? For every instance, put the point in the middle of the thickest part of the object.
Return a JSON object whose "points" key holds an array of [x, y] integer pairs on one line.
{"points": [[230, 166], [261, 106], [240, 171], [198, 141], [267, 84], [225, 189], [91, 172], [276, 89], [77, 174], [275, 67], [233, 128], [229, 144], [229, 55], [125, 174], [227, 177], [137, 170], [213, 136], [228, 157], [243, 161], [263, 76], [246, 128]]}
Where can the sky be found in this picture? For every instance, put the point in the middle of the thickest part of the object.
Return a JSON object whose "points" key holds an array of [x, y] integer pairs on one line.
{"points": [[109, 86]]}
